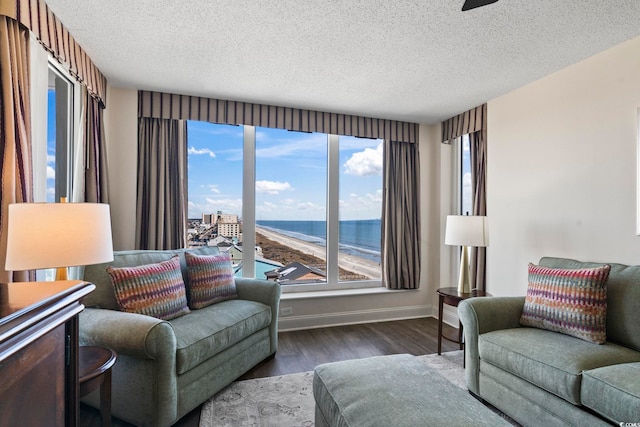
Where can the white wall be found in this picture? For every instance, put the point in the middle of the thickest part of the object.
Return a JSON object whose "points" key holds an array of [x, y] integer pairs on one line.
{"points": [[308, 312], [121, 133], [561, 177]]}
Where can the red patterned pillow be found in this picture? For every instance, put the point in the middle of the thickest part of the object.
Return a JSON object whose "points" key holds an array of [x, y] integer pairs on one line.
{"points": [[570, 301], [155, 290], [210, 279]]}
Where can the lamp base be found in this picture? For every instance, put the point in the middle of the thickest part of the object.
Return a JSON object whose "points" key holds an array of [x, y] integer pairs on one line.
{"points": [[61, 273], [464, 282]]}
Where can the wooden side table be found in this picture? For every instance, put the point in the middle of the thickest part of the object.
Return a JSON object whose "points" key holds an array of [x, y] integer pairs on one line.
{"points": [[452, 297], [38, 352], [95, 370]]}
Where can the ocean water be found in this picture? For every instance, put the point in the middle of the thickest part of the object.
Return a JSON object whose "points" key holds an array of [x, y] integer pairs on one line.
{"points": [[356, 237]]}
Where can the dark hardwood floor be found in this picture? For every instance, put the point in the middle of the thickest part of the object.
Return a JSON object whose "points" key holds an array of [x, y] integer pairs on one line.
{"points": [[301, 351]]}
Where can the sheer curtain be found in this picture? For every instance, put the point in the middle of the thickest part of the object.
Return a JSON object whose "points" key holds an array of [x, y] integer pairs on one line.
{"points": [[161, 208], [401, 216], [15, 129]]}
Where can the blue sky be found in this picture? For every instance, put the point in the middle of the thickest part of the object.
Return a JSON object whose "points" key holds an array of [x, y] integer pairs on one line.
{"points": [[51, 145], [290, 173], [466, 177]]}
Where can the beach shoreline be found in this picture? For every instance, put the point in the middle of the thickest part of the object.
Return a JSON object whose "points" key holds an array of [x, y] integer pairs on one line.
{"points": [[359, 267]]}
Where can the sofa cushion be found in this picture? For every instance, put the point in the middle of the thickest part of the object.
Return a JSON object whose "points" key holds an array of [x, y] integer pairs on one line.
{"points": [[550, 360], [104, 296], [569, 301], [623, 299], [613, 392], [155, 290], [210, 279], [206, 332]]}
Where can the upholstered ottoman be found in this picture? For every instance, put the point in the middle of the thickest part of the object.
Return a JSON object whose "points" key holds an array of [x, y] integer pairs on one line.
{"points": [[397, 391]]}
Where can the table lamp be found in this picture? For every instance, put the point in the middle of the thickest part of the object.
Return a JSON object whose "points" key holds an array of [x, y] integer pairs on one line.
{"points": [[58, 235], [466, 231]]}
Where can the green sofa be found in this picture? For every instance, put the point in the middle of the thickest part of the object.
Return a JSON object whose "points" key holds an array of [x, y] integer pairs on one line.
{"points": [[165, 369], [538, 377]]}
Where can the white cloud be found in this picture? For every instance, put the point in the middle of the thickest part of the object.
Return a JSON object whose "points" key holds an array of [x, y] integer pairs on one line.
{"points": [[365, 163], [304, 145], [309, 206], [367, 199], [214, 188], [199, 151], [212, 205], [272, 187], [377, 197], [51, 173]]}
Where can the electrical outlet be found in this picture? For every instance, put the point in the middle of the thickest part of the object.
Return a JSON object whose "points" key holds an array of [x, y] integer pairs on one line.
{"points": [[286, 311]]}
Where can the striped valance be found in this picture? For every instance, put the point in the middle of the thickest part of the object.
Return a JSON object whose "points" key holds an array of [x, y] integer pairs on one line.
{"points": [[462, 124], [36, 15], [184, 107]]}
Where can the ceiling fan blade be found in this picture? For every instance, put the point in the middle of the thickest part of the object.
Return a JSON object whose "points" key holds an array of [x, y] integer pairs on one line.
{"points": [[472, 4]]}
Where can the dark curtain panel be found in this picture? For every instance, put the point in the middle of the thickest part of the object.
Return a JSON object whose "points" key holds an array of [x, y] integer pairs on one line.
{"points": [[401, 216], [96, 179], [15, 130], [161, 209], [478, 148]]}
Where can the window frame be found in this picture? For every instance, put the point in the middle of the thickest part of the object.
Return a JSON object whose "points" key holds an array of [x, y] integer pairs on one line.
{"points": [[42, 64], [64, 186], [332, 217]]}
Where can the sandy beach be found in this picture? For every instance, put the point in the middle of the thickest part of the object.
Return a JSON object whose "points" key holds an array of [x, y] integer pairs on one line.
{"points": [[355, 264]]}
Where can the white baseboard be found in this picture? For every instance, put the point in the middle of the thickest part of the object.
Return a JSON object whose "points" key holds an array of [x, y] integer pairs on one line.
{"points": [[313, 321], [450, 316]]}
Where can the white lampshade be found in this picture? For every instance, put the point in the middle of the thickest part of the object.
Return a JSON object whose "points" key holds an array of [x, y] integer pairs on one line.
{"points": [[464, 230], [53, 235]]}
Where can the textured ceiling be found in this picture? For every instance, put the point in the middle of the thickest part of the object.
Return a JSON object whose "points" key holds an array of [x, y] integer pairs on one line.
{"points": [[419, 60]]}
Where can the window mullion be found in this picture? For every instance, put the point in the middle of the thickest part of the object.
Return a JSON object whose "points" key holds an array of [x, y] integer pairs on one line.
{"points": [[333, 215], [249, 203]]}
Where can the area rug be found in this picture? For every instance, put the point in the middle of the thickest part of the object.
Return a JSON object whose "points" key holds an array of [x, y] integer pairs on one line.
{"points": [[287, 400]]}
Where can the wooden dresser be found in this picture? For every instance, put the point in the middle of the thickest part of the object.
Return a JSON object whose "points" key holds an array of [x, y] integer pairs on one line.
{"points": [[39, 352]]}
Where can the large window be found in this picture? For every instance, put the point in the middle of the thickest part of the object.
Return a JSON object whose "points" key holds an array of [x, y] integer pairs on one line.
{"points": [[308, 205]]}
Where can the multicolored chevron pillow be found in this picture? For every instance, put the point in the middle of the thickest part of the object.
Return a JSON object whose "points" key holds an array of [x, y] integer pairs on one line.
{"points": [[155, 290], [569, 301], [210, 279]]}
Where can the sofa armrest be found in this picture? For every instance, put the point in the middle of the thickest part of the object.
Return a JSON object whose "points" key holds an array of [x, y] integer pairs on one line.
{"points": [[130, 334], [266, 292], [481, 315]]}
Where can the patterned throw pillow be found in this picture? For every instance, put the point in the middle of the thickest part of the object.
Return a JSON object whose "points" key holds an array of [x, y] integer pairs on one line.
{"points": [[155, 290], [210, 279], [569, 301]]}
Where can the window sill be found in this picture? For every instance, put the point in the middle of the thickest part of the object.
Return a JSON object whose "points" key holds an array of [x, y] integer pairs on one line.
{"points": [[288, 296]]}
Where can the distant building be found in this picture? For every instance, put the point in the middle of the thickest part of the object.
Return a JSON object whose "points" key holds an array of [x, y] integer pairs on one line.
{"points": [[262, 266], [220, 241], [225, 218], [229, 229], [208, 218], [296, 273]]}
